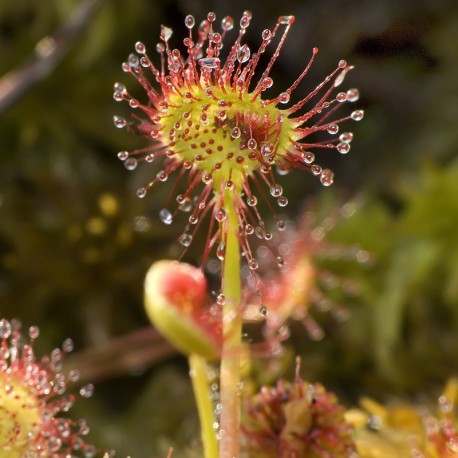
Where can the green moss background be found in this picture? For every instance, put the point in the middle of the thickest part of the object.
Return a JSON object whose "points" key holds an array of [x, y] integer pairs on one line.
{"points": [[75, 242]]}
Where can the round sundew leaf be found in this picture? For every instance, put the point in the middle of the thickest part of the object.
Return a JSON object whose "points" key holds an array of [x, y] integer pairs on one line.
{"points": [[174, 295], [33, 399], [20, 417]]}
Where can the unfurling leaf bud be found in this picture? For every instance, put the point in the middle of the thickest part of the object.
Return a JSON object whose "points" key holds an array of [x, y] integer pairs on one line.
{"points": [[175, 297]]}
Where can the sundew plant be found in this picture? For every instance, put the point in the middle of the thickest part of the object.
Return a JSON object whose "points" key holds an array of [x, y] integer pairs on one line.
{"points": [[34, 399], [207, 118]]}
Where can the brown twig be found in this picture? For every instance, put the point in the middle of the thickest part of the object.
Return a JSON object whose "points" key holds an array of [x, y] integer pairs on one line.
{"points": [[127, 354], [49, 51]]}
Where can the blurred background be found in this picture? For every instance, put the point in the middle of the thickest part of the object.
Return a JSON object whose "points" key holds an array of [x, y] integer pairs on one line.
{"points": [[75, 241]]}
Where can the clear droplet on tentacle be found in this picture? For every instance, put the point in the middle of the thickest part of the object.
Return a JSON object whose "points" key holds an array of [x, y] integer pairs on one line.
{"points": [[185, 240], [227, 23], [221, 250], [165, 216], [189, 21]]}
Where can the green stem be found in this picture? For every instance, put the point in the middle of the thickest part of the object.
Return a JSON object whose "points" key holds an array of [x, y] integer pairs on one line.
{"points": [[199, 378], [232, 340]]}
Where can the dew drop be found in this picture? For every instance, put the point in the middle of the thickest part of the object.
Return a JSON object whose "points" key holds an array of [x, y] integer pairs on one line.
{"points": [[189, 21], [131, 163], [216, 38], [251, 201], [166, 33], [243, 53], [123, 155], [283, 97], [209, 62], [119, 122], [193, 219], [207, 178], [245, 21], [352, 95], [252, 264], [260, 232], [266, 149], [343, 148], [279, 261], [185, 205], [142, 224], [141, 192], [67, 345], [220, 299], [185, 240], [220, 215], [188, 43], [446, 406], [308, 157], [316, 169], [218, 410], [341, 97], [357, 115], [346, 137], [162, 176], [327, 177], [362, 256], [236, 132], [252, 144], [87, 390], [144, 61], [149, 158], [266, 83], [133, 103], [133, 60], [140, 47], [282, 201], [221, 250], [281, 225], [266, 35], [119, 87], [276, 190], [263, 310], [34, 332], [156, 118], [165, 216], [229, 185], [332, 129], [341, 76], [74, 375], [227, 23], [286, 20], [249, 229], [118, 96]]}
